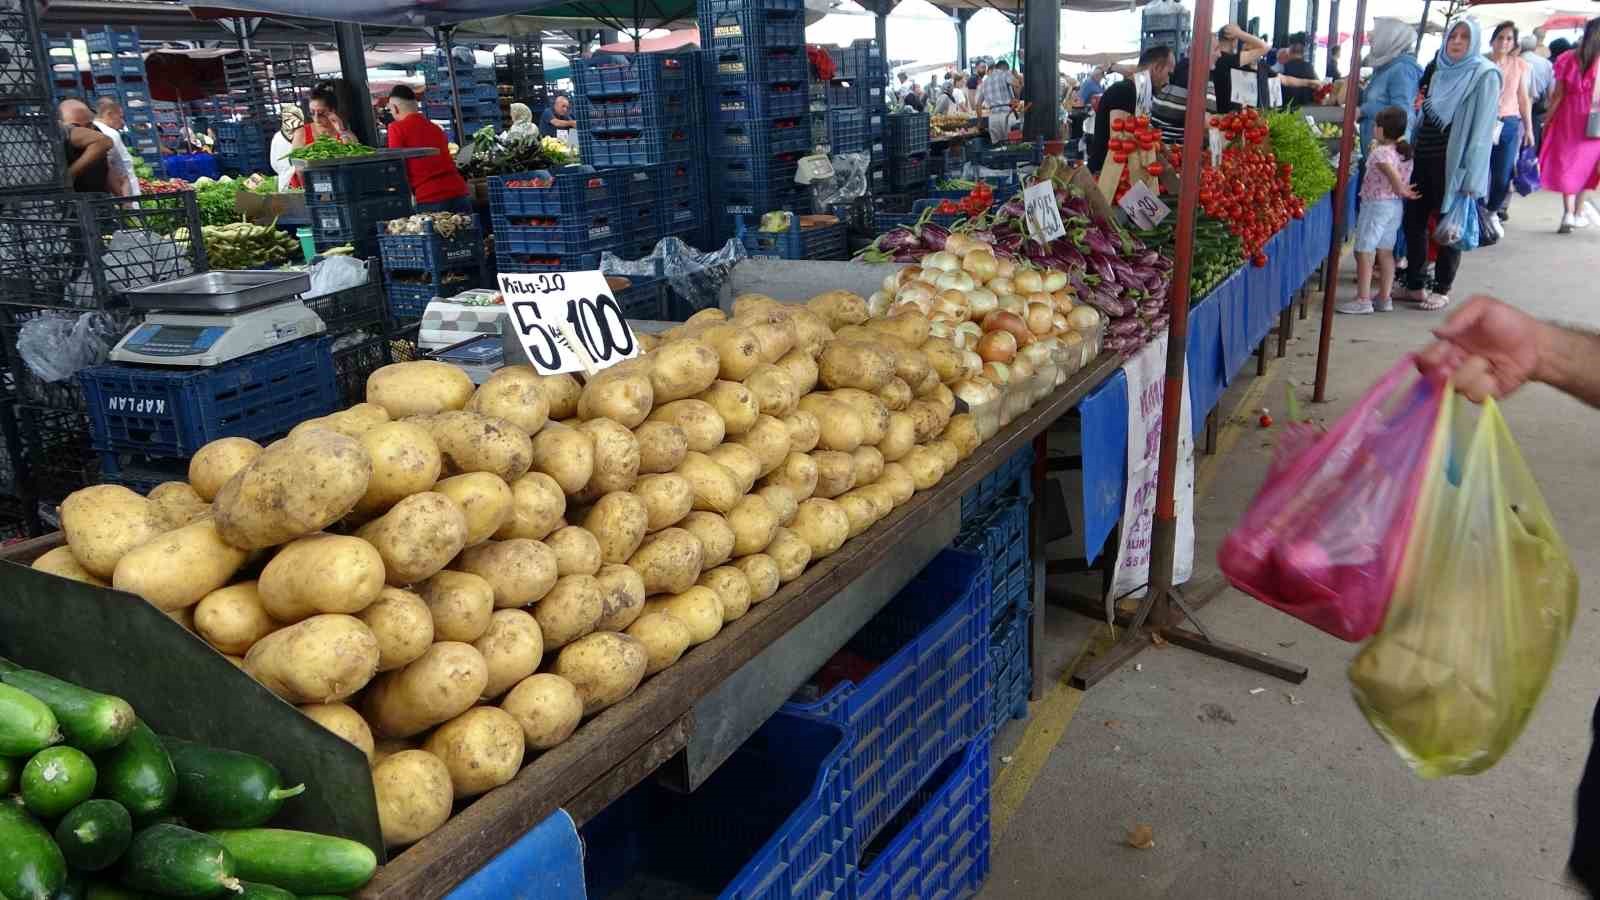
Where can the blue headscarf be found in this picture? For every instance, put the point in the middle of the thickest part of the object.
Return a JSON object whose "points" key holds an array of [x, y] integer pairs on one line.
{"points": [[1453, 80]]}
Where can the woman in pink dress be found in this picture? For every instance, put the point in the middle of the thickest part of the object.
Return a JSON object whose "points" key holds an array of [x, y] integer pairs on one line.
{"points": [[1569, 161]]}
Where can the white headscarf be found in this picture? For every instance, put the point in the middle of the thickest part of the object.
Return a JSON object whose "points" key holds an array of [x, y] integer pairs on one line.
{"points": [[1390, 39]]}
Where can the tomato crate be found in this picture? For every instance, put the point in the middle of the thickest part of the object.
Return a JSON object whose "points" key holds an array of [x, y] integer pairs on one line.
{"points": [[906, 133], [760, 139], [550, 234], [636, 112], [637, 184], [940, 845], [356, 181], [925, 694], [768, 175], [1008, 666], [510, 262], [410, 292], [847, 130], [571, 191], [174, 412], [680, 216], [769, 824], [639, 148], [431, 250], [641, 73], [754, 101], [748, 26], [356, 220], [908, 173], [755, 65], [677, 181], [884, 220], [819, 242]]}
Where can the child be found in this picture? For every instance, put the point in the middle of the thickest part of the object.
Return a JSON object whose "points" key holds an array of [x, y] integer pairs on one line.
{"points": [[1384, 189]]}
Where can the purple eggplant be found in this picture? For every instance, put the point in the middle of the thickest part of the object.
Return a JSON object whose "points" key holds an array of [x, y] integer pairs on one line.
{"points": [[1122, 343], [1013, 208], [1124, 327], [935, 235], [897, 239], [906, 256]]}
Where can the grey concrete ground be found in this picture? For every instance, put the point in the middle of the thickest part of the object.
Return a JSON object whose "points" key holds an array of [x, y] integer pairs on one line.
{"points": [[1288, 792]]}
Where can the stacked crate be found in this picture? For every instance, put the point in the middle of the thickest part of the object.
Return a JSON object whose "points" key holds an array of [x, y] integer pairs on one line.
{"points": [[169, 125], [116, 64], [347, 201], [563, 221], [293, 76], [480, 96], [525, 73], [994, 525], [906, 140], [419, 267], [858, 81], [1169, 29], [758, 113], [62, 61], [244, 116]]}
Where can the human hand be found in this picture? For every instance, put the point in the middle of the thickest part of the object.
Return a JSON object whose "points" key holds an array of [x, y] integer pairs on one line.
{"points": [[1488, 348], [1407, 192], [1527, 137]]}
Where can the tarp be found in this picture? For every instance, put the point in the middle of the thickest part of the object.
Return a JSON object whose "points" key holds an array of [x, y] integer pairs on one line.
{"points": [[688, 37], [400, 13]]}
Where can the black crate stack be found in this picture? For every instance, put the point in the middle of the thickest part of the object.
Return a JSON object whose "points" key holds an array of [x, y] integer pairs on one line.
{"points": [[480, 96], [1165, 30], [246, 116], [524, 74], [857, 85], [347, 201], [906, 140], [293, 76]]}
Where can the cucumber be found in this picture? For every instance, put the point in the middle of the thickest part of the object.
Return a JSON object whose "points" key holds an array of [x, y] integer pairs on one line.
{"points": [[91, 721], [31, 865], [254, 891], [10, 773], [225, 788], [94, 834], [299, 861], [177, 862], [138, 774], [26, 724], [107, 890], [76, 887], [56, 780]]}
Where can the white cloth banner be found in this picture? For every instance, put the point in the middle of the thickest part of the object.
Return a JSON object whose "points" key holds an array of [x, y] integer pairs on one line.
{"points": [[1146, 380]]}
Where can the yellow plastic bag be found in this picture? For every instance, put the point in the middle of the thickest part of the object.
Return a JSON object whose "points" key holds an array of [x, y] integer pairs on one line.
{"points": [[1485, 600]]}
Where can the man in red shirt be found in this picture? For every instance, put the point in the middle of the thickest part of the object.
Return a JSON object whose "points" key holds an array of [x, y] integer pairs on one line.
{"points": [[435, 182]]}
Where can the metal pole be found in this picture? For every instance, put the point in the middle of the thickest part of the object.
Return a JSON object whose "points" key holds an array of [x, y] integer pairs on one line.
{"points": [[1311, 29], [353, 69], [1041, 76], [1330, 281], [963, 16], [455, 89], [1280, 25], [880, 28], [1422, 25], [1333, 25]]}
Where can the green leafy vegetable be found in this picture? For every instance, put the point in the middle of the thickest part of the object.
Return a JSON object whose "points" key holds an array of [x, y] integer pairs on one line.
{"points": [[1294, 143], [328, 148]]}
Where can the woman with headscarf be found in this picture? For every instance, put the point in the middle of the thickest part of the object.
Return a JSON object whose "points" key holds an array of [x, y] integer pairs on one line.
{"points": [[1395, 73], [291, 120], [1452, 138], [1569, 161]]}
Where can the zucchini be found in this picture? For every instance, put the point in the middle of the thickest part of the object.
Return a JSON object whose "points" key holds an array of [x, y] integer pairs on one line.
{"points": [[254, 891], [91, 721], [177, 862], [31, 865], [26, 724], [56, 780], [138, 774], [10, 773], [76, 887], [108, 890], [299, 861], [225, 788], [94, 834]]}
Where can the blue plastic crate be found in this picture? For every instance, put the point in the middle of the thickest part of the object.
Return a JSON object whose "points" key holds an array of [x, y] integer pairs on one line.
{"points": [[431, 250], [761, 139], [940, 846], [506, 261], [1001, 540], [1009, 157], [408, 296], [755, 65], [644, 297], [750, 27], [641, 73], [680, 216], [884, 220], [819, 242], [174, 412], [636, 112], [767, 825], [766, 175], [728, 203], [1008, 666], [927, 696], [558, 235], [906, 133], [356, 220], [356, 181], [869, 93], [756, 101], [635, 185], [908, 173], [572, 191], [862, 59], [676, 181], [639, 148], [141, 474], [112, 40], [703, 7], [847, 130]]}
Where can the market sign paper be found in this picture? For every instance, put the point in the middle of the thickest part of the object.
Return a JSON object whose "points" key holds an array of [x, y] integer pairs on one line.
{"points": [[567, 321], [1244, 89], [1143, 206], [1274, 92], [1042, 212], [1146, 373]]}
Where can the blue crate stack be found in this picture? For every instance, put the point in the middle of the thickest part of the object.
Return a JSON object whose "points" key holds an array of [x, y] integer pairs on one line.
{"points": [[62, 62], [420, 267], [116, 65], [243, 147], [346, 202], [480, 95], [860, 79]]}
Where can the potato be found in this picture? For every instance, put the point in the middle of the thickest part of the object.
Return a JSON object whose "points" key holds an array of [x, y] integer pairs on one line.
{"points": [[741, 462], [616, 457], [715, 536], [854, 364], [682, 369], [422, 387], [405, 461], [232, 619], [738, 352], [176, 569], [417, 537], [861, 334], [702, 425], [562, 392], [780, 499], [946, 401], [216, 462], [698, 607], [926, 467], [925, 418], [60, 561], [753, 522], [948, 453], [895, 395], [385, 747], [908, 326], [860, 511], [735, 405], [899, 437], [511, 648], [752, 304], [547, 708], [537, 505], [949, 363], [519, 571], [773, 388], [570, 610], [836, 473], [320, 660], [621, 597], [897, 478], [801, 368], [460, 603], [565, 454], [882, 496], [175, 504], [482, 748], [839, 425], [472, 442], [798, 473], [353, 422], [823, 525], [715, 488], [839, 308], [911, 366], [929, 386], [774, 332], [762, 572], [768, 441], [621, 396], [184, 617], [618, 521], [485, 500], [344, 722], [669, 561], [443, 683], [577, 550], [403, 625], [667, 499], [963, 433], [791, 552], [296, 486], [321, 573], [513, 393], [804, 431], [733, 590], [868, 463], [664, 638], [811, 331], [605, 667], [104, 521], [661, 446], [414, 796]]}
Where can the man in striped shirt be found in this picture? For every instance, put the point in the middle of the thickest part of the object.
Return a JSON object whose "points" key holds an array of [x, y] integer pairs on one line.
{"points": [[995, 96]]}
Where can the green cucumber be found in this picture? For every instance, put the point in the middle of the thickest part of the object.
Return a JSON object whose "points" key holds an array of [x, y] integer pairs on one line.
{"points": [[10, 773], [225, 788], [56, 780], [177, 862], [76, 887], [31, 865], [106, 890], [299, 861], [91, 721], [138, 774], [26, 724], [255, 891], [94, 834]]}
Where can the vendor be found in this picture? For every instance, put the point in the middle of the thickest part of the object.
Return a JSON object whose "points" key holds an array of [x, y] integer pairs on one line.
{"points": [[290, 120], [995, 99], [435, 181], [557, 117], [1235, 49], [1300, 76], [325, 120], [1132, 96], [89, 169]]}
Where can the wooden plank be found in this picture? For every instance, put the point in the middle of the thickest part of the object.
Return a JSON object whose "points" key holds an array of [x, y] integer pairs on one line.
{"points": [[25, 552], [631, 771]]}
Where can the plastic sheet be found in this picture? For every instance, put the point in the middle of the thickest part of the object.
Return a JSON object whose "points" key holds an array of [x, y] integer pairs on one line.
{"points": [[54, 347], [695, 278], [335, 273], [1482, 610]]}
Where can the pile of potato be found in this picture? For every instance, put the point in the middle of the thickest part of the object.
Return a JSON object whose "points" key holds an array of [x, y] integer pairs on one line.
{"points": [[452, 578]]}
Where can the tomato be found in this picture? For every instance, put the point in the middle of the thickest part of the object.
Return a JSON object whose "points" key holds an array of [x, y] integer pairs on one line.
{"points": [[1155, 168], [1120, 158], [1259, 260]]}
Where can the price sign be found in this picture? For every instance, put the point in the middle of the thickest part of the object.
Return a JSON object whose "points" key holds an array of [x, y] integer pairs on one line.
{"points": [[1042, 212], [567, 321], [1312, 121], [1274, 93], [1243, 86], [1217, 143], [1143, 206]]}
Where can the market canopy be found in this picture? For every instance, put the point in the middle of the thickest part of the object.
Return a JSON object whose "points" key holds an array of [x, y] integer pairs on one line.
{"points": [[369, 12], [1105, 58]]}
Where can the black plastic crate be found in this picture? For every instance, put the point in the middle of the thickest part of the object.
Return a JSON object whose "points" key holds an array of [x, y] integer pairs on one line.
{"points": [[30, 152], [356, 221], [356, 181], [28, 385], [756, 101], [906, 134], [744, 26], [760, 140], [23, 77], [355, 356], [908, 173], [352, 308], [53, 456]]}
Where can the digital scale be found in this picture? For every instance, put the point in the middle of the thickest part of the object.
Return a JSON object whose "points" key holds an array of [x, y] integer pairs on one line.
{"points": [[214, 317]]}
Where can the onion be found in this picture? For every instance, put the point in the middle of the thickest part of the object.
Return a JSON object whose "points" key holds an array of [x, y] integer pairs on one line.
{"points": [[908, 275], [975, 393], [1063, 302], [1058, 324], [1027, 281], [956, 280], [878, 304], [997, 372], [944, 308], [1084, 318], [1054, 280], [916, 292], [891, 282], [1005, 268], [941, 330], [943, 261], [1002, 320], [1001, 285], [1013, 303], [982, 301], [1038, 318], [1021, 370], [958, 243], [972, 362], [980, 264], [967, 335], [1037, 354], [998, 346]]}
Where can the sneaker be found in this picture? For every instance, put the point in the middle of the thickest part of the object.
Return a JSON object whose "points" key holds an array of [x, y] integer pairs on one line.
{"points": [[1383, 304], [1567, 224], [1357, 307], [1591, 215], [1504, 215]]}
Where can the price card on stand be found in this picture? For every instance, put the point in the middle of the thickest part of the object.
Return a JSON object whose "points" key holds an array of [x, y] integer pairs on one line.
{"points": [[1143, 206], [1243, 88], [567, 321], [1274, 93], [1042, 212], [1217, 143]]}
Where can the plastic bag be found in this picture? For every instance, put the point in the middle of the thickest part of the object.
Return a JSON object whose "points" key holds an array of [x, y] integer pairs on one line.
{"points": [[1525, 177], [55, 347], [1484, 604], [695, 278], [335, 273], [1458, 224], [1323, 538]]}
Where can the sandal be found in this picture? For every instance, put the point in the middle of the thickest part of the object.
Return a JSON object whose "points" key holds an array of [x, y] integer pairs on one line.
{"points": [[1435, 301], [1410, 295]]}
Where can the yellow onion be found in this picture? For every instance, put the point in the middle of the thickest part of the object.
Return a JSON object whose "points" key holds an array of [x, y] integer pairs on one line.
{"points": [[1038, 354], [1013, 303], [944, 308], [982, 301], [917, 292], [1044, 297], [1063, 302], [980, 264], [956, 280], [975, 392], [1005, 268], [1021, 369], [967, 335], [941, 330], [1000, 285], [958, 243], [943, 261], [997, 372], [1054, 280], [1038, 318], [1028, 281], [997, 346], [1084, 318], [1058, 324], [908, 275], [878, 304], [1002, 320], [972, 362]]}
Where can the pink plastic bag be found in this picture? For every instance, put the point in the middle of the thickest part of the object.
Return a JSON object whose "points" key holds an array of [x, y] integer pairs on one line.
{"points": [[1323, 539]]}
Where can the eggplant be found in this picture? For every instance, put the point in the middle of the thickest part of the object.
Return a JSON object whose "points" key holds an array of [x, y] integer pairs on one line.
{"points": [[1122, 344], [897, 239], [1013, 208]]}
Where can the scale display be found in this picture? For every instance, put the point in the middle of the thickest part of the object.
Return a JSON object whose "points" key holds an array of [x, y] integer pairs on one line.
{"points": [[173, 340]]}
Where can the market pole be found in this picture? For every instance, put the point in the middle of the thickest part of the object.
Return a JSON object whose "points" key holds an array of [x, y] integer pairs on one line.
{"points": [[963, 16], [455, 89], [353, 69], [1041, 64], [1330, 275], [1422, 26], [1333, 27]]}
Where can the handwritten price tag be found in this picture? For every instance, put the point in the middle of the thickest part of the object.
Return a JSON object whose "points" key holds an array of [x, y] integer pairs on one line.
{"points": [[567, 321], [1243, 88], [1042, 212], [1217, 143], [1143, 207], [1274, 93]]}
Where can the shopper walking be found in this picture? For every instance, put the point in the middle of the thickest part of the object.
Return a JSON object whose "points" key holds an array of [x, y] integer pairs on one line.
{"points": [[109, 121], [995, 98], [1541, 78], [1569, 161], [1451, 140], [1516, 111]]}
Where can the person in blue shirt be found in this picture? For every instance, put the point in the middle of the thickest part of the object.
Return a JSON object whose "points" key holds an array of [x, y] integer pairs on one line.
{"points": [[1395, 76], [1092, 86]]}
